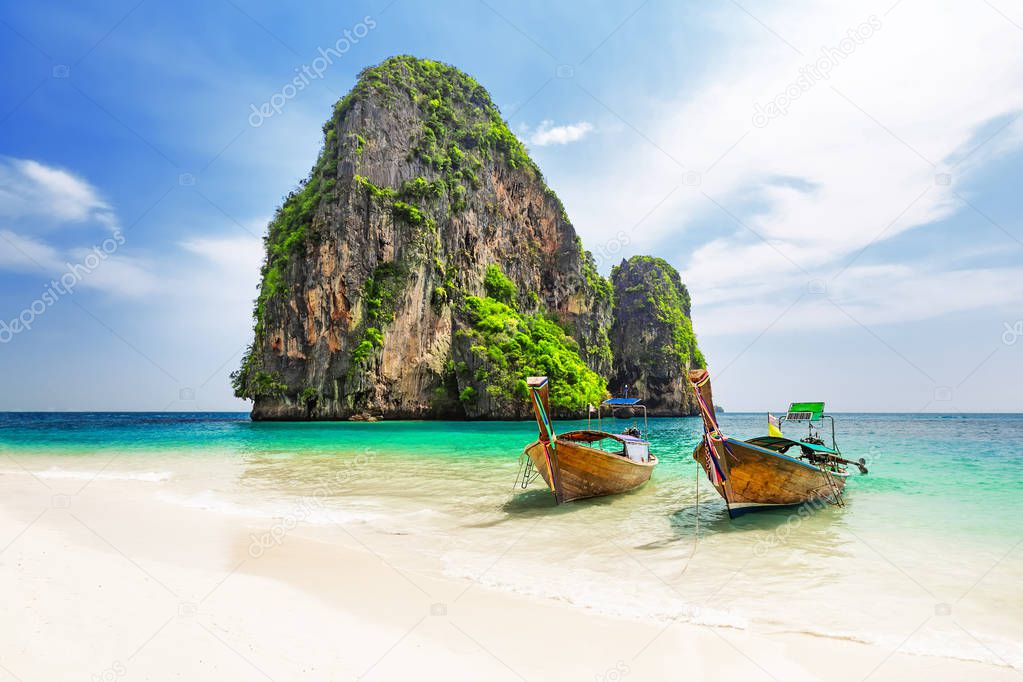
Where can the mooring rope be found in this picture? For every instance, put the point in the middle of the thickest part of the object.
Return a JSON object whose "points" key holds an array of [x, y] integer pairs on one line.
{"points": [[696, 539], [829, 480]]}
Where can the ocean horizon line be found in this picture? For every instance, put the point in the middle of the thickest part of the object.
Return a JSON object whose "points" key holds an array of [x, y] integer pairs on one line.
{"points": [[525, 419]]}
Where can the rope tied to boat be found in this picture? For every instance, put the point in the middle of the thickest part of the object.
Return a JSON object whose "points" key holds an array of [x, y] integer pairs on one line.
{"points": [[696, 539]]}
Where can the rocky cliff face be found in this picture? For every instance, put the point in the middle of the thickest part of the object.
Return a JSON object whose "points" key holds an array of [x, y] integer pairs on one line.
{"points": [[652, 336], [424, 267]]}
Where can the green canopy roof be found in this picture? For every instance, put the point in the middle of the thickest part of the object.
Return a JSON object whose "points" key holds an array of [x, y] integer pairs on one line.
{"points": [[805, 412], [779, 444]]}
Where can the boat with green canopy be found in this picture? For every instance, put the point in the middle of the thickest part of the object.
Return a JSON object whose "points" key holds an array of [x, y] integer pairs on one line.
{"points": [[772, 471]]}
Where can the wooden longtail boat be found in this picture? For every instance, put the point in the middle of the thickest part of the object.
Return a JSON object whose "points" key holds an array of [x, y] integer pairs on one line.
{"points": [[759, 473], [576, 464]]}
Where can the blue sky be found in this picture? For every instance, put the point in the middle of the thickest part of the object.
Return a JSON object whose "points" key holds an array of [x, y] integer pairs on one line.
{"points": [[837, 182]]}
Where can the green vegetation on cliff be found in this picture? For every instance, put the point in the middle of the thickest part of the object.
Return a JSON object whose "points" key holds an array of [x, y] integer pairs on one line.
{"points": [[286, 233], [510, 344], [599, 286], [498, 286], [654, 287], [292, 224], [250, 382], [460, 125]]}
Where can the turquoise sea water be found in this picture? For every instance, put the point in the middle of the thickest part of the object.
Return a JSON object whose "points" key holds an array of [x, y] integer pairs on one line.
{"points": [[935, 528], [950, 472]]}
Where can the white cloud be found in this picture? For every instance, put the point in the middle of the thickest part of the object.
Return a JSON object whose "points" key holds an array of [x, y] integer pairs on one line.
{"points": [[121, 276], [97, 267], [33, 195], [215, 285], [223, 275], [26, 254], [241, 254], [854, 159], [218, 268], [44, 196], [547, 133], [871, 296]]}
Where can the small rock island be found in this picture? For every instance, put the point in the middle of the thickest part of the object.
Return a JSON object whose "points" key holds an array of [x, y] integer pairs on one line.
{"points": [[424, 268]]}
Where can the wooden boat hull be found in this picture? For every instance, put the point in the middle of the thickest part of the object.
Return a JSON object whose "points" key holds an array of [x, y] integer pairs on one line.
{"points": [[750, 477], [758, 479], [584, 472]]}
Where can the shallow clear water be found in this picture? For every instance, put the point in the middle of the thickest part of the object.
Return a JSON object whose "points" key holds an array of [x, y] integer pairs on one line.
{"points": [[926, 554]]}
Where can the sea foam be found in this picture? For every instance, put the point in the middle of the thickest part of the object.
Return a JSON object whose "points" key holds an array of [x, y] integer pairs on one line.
{"points": [[147, 476]]}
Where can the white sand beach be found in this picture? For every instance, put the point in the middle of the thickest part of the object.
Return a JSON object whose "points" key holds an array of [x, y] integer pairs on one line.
{"points": [[105, 574]]}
